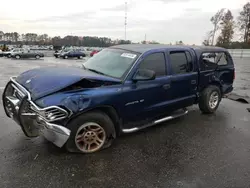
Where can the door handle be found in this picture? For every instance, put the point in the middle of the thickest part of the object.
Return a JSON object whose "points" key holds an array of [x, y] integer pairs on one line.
{"points": [[166, 86], [193, 81]]}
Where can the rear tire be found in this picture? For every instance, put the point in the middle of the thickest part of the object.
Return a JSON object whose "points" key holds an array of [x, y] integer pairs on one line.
{"points": [[37, 56], [65, 57], [88, 128], [80, 57], [17, 57], [210, 99]]}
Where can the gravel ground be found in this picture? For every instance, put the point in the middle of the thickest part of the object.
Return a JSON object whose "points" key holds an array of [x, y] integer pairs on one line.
{"points": [[194, 151]]}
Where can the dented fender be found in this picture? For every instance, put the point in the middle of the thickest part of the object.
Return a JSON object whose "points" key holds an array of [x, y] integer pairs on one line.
{"points": [[76, 103]]}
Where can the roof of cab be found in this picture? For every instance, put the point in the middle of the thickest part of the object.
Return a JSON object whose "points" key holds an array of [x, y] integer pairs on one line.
{"points": [[142, 48]]}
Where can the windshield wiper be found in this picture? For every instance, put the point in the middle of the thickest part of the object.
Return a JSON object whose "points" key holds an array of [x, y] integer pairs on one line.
{"points": [[93, 70]]}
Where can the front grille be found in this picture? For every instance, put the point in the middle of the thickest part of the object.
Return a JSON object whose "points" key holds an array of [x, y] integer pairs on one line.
{"points": [[55, 113], [16, 93], [52, 113]]}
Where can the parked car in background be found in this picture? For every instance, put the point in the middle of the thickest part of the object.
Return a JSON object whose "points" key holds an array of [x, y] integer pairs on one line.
{"points": [[25, 53], [8, 53], [122, 89], [1, 53], [93, 53], [72, 54]]}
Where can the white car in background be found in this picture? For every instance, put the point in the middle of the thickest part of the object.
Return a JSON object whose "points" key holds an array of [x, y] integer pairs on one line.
{"points": [[8, 53]]}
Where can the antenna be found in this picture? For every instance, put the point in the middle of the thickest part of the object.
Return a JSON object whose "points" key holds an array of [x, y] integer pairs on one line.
{"points": [[125, 24]]}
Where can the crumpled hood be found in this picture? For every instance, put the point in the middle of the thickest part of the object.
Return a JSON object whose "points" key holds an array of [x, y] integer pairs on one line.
{"points": [[44, 81]]}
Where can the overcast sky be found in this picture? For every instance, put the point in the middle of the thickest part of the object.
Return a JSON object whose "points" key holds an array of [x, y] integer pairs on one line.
{"points": [[161, 20]]}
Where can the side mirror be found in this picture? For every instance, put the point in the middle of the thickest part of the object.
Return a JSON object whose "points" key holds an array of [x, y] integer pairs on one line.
{"points": [[143, 75]]}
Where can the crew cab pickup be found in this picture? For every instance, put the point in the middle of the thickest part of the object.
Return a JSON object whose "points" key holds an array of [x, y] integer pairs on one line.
{"points": [[122, 89]]}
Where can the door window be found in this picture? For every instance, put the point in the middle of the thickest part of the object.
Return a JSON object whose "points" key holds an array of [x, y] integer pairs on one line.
{"points": [[156, 63], [210, 61], [181, 62]]}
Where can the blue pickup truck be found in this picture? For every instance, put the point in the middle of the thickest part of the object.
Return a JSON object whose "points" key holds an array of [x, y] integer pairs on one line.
{"points": [[122, 89]]}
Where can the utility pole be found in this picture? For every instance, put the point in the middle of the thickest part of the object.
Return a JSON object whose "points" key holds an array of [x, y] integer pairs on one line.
{"points": [[125, 24]]}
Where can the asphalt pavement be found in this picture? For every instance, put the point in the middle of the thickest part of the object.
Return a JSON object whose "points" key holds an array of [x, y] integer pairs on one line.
{"points": [[242, 81], [193, 151]]}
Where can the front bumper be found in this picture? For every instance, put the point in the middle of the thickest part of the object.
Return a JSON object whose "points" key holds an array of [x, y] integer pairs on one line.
{"points": [[62, 55], [6, 54], [56, 134], [19, 106]]}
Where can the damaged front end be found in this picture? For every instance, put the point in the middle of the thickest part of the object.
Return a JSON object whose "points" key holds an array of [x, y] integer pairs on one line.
{"points": [[34, 120]]}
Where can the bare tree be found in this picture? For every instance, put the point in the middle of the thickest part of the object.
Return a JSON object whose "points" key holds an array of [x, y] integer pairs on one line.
{"points": [[244, 22], [208, 39], [227, 30], [216, 20]]}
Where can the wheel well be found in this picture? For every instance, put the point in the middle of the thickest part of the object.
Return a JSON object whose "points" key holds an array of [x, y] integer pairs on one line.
{"points": [[218, 85], [108, 110], [214, 84]]}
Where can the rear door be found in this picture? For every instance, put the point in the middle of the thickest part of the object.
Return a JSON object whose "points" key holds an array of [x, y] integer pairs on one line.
{"points": [[24, 53], [184, 78], [32, 54]]}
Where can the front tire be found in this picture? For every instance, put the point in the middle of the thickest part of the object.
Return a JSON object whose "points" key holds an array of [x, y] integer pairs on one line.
{"points": [[210, 99], [65, 57], [90, 133], [17, 57], [37, 56]]}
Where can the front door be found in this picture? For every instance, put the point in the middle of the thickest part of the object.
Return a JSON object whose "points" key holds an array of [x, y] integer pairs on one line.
{"points": [[145, 100]]}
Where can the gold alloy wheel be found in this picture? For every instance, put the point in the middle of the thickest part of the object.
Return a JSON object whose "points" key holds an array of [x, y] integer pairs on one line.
{"points": [[90, 137]]}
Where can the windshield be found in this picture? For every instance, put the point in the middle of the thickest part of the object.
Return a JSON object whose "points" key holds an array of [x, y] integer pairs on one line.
{"points": [[65, 50], [111, 62]]}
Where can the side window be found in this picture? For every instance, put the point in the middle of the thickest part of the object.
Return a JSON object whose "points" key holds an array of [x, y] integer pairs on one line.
{"points": [[210, 61], [180, 62], [155, 62], [190, 62]]}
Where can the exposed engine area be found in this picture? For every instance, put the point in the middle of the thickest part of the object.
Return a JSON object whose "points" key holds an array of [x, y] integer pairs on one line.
{"points": [[87, 83]]}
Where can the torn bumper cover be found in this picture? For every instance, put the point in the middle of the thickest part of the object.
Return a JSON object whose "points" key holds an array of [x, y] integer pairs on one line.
{"points": [[34, 120], [56, 134]]}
